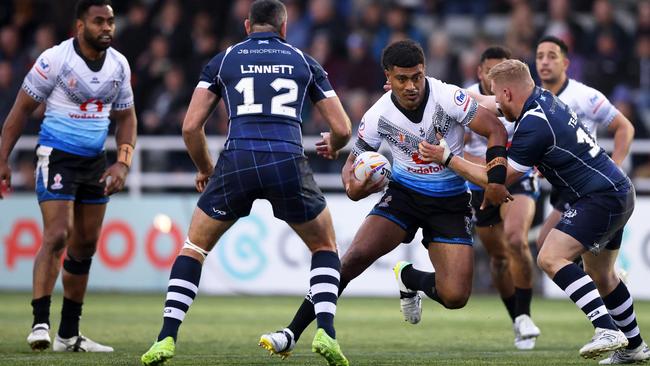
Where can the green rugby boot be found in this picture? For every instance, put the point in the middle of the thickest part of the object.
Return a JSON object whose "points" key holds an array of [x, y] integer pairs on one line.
{"points": [[329, 348], [159, 353]]}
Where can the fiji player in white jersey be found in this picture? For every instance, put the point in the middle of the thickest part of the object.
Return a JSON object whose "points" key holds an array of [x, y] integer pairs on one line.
{"points": [[503, 229], [419, 195], [81, 81], [590, 105]]}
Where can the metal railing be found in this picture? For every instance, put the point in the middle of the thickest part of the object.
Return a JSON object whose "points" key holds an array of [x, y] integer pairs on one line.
{"points": [[140, 180]]}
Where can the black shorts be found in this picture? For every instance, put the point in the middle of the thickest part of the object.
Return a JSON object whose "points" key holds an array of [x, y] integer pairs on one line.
{"points": [[558, 201], [68, 177], [241, 176], [597, 220], [491, 215], [442, 219]]}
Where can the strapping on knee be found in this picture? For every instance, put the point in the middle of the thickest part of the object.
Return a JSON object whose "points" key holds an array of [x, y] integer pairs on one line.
{"points": [[191, 246], [77, 266]]}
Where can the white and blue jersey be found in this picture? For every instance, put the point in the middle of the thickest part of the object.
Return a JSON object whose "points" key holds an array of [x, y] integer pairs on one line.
{"points": [[591, 106], [447, 109], [78, 99], [552, 137], [264, 82]]}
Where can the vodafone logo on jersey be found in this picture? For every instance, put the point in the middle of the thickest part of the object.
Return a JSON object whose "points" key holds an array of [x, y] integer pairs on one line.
{"points": [[88, 109]]}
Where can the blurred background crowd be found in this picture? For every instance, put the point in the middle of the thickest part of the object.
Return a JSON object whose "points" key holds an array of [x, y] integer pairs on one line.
{"points": [[167, 42]]}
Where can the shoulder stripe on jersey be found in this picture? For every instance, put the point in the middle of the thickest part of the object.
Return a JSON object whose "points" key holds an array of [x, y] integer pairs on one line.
{"points": [[598, 106], [203, 84], [329, 94], [518, 167]]}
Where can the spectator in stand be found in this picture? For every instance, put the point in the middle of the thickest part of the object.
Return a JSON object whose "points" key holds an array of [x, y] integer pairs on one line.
{"points": [[325, 20], [363, 72], [9, 85], [561, 24], [442, 63], [44, 38], [603, 13], [398, 20], [135, 33], [603, 70], [235, 32], [298, 34], [335, 65], [151, 67], [171, 24], [10, 50]]}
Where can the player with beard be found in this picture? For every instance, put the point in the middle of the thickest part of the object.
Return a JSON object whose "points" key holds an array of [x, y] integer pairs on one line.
{"points": [[81, 81]]}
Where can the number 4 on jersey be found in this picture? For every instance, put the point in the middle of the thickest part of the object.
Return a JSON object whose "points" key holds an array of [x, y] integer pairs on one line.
{"points": [[584, 138], [247, 88]]}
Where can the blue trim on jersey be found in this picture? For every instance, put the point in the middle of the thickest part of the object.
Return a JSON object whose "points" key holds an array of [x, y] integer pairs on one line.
{"points": [[463, 241], [42, 194], [80, 137], [390, 217], [442, 184]]}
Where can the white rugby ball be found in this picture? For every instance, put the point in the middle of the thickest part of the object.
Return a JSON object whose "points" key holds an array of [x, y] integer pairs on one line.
{"points": [[373, 165]]}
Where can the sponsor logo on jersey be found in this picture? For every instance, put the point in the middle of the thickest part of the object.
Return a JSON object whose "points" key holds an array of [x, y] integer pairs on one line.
{"points": [[218, 212], [431, 169], [460, 97], [57, 182], [570, 213]]}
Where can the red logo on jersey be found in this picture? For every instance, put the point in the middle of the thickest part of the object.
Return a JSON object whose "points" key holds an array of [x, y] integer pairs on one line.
{"points": [[417, 160], [97, 102]]}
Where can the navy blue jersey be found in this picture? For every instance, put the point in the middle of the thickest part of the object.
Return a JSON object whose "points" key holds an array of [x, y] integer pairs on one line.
{"points": [[549, 135], [264, 82]]}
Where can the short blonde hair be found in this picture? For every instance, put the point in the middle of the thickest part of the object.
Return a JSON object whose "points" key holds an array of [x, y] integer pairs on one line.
{"points": [[510, 70]]}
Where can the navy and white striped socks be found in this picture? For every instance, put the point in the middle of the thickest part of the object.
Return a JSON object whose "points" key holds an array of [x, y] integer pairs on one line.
{"points": [[324, 287], [620, 305], [183, 286], [582, 291]]}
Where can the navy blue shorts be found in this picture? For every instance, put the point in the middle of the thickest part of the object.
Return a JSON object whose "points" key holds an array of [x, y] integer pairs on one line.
{"points": [[597, 220], [68, 177], [442, 219], [491, 215], [241, 176]]}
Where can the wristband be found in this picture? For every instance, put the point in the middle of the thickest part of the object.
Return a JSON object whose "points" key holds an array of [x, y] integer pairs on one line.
{"points": [[496, 164], [446, 163], [125, 154]]}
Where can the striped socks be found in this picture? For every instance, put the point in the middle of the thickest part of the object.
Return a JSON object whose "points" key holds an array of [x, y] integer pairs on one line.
{"points": [[183, 286], [582, 291], [620, 306], [324, 288]]}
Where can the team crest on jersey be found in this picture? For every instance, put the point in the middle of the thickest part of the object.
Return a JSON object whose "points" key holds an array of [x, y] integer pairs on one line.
{"points": [[44, 64], [57, 182]]}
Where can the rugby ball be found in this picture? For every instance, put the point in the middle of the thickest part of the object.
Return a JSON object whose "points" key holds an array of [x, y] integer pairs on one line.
{"points": [[373, 165]]}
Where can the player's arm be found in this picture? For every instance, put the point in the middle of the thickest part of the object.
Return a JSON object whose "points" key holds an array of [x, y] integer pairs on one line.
{"points": [[623, 131], [487, 101], [11, 131], [340, 127], [125, 135], [202, 104]]}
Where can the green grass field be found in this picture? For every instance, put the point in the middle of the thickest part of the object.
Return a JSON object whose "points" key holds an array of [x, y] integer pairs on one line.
{"points": [[225, 331]]}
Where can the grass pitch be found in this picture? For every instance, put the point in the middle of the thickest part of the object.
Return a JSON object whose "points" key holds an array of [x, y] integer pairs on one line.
{"points": [[225, 331]]}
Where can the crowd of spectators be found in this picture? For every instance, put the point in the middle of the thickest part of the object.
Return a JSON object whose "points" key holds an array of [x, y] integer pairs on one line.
{"points": [[167, 42]]}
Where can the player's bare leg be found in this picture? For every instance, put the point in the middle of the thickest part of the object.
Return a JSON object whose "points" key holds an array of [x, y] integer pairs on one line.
{"points": [[517, 218], [184, 281], [493, 240], [57, 226], [549, 223], [80, 249], [555, 259]]}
